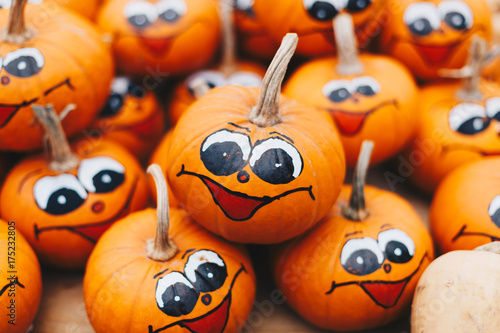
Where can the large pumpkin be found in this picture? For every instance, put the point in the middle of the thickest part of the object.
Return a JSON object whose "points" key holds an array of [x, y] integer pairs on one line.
{"points": [[430, 35], [64, 204], [166, 273], [60, 60], [155, 38], [359, 267], [254, 166]]}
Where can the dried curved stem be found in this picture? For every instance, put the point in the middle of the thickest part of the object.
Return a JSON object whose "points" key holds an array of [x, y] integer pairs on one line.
{"points": [[266, 112], [228, 65], [162, 247], [347, 46], [17, 32]]}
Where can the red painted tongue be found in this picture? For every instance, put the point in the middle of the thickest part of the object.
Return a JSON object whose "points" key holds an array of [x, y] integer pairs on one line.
{"points": [[348, 123], [235, 206], [94, 232], [214, 322], [156, 46], [434, 53], [385, 294], [5, 113]]}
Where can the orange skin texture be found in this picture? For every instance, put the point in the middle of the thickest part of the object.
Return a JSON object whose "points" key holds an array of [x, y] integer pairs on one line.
{"points": [[119, 272], [463, 199], [315, 37], [183, 98], [449, 48], [72, 49], [28, 275], [437, 149], [63, 247], [306, 266], [393, 109], [86, 8], [190, 41], [312, 134]]}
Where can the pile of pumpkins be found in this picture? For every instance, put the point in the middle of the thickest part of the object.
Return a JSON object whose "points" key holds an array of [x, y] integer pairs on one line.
{"points": [[239, 120]]}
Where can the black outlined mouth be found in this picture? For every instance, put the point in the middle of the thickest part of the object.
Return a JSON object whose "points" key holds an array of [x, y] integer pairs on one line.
{"points": [[8, 285], [463, 233]]}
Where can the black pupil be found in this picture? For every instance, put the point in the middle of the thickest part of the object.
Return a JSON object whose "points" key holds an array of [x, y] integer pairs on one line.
{"points": [[397, 252], [24, 66], [496, 217], [275, 166], [107, 180], [63, 201], [339, 95], [178, 300], [209, 83], [362, 262], [456, 21], [113, 106], [366, 90], [355, 6], [139, 21], [136, 91], [322, 11], [170, 15], [209, 277], [421, 27], [223, 159], [497, 116], [474, 126]]}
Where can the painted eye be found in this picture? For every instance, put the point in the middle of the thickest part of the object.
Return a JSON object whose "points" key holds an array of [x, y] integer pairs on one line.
{"points": [[366, 85], [324, 10], [5, 3], [456, 14], [136, 90], [212, 78], [140, 14], [469, 119], [175, 295], [337, 91], [399, 248], [206, 271], [113, 106], [245, 79], [275, 161], [24, 62], [171, 10], [422, 18], [101, 174], [494, 210], [243, 5], [59, 195], [493, 108], [355, 6], [361, 256], [225, 152]]}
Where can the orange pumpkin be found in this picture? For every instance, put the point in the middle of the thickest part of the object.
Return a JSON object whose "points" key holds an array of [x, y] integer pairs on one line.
{"points": [[459, 123], [155, 38], [60, 60], [312, 21], [132, 117], [21, 286], [87, 8], [370, 97], [183, 279], [359, 267], [65, 204], [254, 166], [430, 35], [465, 210]]}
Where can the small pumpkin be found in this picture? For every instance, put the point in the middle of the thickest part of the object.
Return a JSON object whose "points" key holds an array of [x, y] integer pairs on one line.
{"points": [[58, 61], [465, 210], [458, 123], [166, 273], [253, 166], [86, 8], [155, 38], [21, 280], [311, 20], [370, 97], [132, 117], [359, 267], [459, 292], [64, 204], [430, 35]]}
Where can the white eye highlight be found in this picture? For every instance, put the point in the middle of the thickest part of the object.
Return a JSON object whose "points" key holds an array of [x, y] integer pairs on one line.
{"points": [[199, 258], [396, 235], [101, 174], [245, 79], [120, 85], [457, 14], [167, 281]]}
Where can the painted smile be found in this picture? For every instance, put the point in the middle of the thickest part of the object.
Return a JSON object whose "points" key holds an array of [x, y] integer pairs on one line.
{"points": [[236, 205], [157, 46], [92, 231], [384, 293], [214, 321], [8, 111], [436, 53], [350, 123], [463, 233]]}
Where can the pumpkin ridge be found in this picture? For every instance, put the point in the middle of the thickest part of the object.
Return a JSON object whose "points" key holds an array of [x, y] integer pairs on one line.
{"points": [[141, 285]]}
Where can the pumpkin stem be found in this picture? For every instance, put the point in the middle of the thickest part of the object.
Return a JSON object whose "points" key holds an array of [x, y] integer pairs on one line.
{"points": [[490, 247], [228, 65], [266, 112], [62, 159], [356, 210], [162, 247], [17, 32], [347, 46]]}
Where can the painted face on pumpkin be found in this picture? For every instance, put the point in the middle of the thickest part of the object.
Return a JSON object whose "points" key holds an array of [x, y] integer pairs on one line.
{"points": [[214, 78], [8, 3], [12, 285], [202, 290]]}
